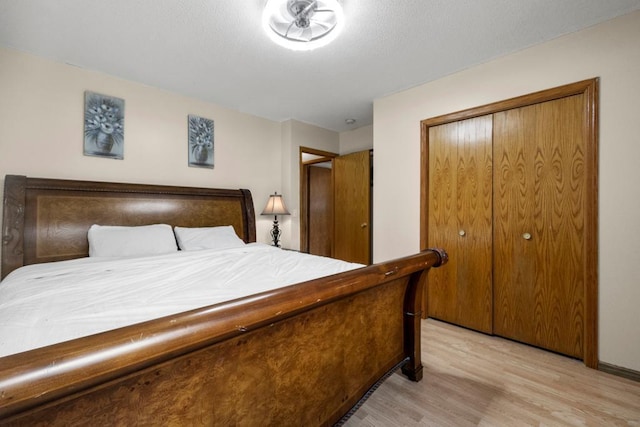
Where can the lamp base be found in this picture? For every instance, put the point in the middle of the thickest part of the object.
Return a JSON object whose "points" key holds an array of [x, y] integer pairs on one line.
{"points": [[275, 233]]}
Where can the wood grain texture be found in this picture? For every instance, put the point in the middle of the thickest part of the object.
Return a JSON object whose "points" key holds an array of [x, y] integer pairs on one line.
{"points": [[591, 131], [48, 219], [460, 219], [298, 355], [322, 156], [424, 193], [299, 371], [588, 87], [13, 223], [62, 222], [316, 335], [352, 207], [588, 90], [320, 211], [539, 188], [472, 379]]}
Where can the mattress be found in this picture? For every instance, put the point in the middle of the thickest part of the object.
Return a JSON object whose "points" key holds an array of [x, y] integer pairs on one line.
{"points": [[43, 304]]}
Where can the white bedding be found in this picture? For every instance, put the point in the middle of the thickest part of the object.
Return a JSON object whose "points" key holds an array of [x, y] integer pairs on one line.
{"points": [[43, 304]]}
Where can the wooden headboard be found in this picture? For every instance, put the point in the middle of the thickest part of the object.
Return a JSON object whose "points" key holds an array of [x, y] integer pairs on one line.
{"points": [[47, 219]]}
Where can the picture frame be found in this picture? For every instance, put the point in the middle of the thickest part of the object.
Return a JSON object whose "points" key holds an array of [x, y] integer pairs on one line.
{"points": [[201, 142], [103, 126]]}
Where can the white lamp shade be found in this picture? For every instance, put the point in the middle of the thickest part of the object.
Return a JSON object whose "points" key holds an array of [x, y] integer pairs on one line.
{"points": [[275, 206]]}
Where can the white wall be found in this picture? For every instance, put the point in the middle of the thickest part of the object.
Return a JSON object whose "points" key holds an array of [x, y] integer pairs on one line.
{"points": [[41, 133], [610, 51]]}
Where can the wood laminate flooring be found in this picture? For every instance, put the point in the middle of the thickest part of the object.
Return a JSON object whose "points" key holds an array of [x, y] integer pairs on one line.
{"points": [[472, 379]]}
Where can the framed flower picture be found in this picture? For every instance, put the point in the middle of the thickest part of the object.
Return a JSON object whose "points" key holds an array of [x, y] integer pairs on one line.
{"points": [[103, 126], [200, 142]]}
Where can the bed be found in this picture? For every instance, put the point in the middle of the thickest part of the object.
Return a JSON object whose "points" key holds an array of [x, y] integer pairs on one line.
{"points": [[304, 354]]}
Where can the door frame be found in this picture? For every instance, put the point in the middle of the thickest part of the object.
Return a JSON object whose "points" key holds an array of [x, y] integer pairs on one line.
{"points": [[589, 89], [323, 156]]}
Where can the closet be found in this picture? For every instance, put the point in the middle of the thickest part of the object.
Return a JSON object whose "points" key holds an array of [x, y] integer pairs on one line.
{"points": [[510, 191]]}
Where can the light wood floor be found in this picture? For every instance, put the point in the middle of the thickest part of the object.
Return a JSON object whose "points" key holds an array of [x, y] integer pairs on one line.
{"points": [[471, 379]]}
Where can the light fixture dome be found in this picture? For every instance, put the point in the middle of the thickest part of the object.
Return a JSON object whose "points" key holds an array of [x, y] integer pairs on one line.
{"points": [[302, 24]]}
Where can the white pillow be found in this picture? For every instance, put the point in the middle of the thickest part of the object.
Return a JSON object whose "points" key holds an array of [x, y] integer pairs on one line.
{"points": [[121, 241], [194, 239]]}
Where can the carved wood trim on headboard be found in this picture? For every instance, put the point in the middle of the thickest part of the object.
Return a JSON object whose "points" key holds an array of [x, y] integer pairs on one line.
{"points": [[47, 219], [13, 223]]}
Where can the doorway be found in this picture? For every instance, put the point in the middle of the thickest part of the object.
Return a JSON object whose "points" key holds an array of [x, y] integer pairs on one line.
{"points": [[316, 201], [335, 204]]}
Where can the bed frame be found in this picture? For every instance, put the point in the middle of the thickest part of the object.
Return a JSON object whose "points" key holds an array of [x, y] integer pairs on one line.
{"points": [[301, 355]]}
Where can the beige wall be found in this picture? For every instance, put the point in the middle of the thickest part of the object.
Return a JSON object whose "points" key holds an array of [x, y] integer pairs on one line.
{"points": [[297, 134], [41, 104], [360, 139], [610, 51], [41, 133]]}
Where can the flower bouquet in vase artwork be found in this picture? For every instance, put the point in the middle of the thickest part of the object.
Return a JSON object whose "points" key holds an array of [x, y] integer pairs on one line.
{"points": [[200, 142], [103, 126]]}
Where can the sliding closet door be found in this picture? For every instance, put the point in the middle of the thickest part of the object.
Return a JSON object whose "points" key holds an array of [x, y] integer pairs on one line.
{"points": [[459, 219], [539, 208]]}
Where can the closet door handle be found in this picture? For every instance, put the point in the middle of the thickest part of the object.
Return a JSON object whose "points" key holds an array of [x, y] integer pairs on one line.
{"points": [[462, 233], [526, 236]]}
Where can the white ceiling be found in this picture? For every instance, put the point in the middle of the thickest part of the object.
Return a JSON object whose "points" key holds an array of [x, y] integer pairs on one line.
{"points": [[216, 50]]}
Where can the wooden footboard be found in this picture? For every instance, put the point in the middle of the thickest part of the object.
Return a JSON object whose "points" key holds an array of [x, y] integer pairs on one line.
{"points": [[301, 355]]}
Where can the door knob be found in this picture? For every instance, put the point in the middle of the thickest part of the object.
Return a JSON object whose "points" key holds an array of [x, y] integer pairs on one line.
{"points": [[363, 225], [526, 236], [462, 233]]}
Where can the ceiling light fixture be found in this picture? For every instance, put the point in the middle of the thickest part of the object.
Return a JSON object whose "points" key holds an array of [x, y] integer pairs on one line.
{"points": [[302, 24]]}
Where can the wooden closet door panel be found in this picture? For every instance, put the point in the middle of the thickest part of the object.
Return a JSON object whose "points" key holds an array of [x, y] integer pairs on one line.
{"points": [[460, 217], [442, 294], [539, 190]]}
